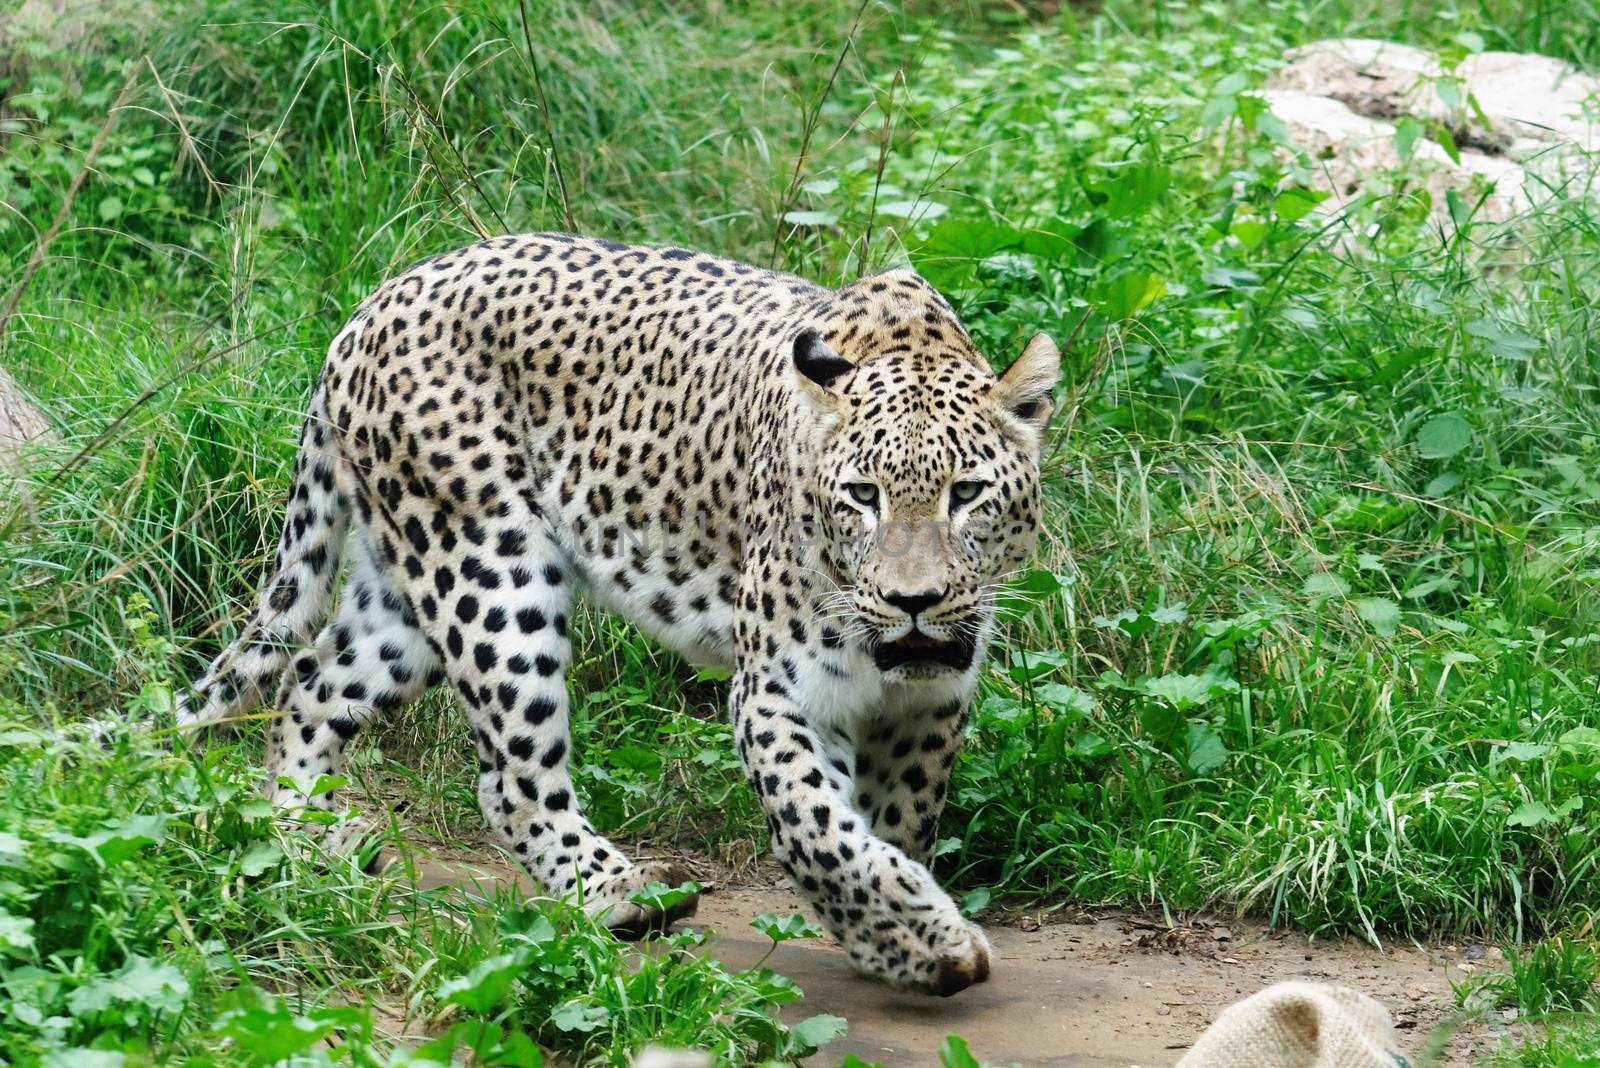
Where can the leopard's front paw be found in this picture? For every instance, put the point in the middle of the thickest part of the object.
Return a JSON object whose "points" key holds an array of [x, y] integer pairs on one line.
{"points": [[611, 902], [957, 962], [941, 954]]}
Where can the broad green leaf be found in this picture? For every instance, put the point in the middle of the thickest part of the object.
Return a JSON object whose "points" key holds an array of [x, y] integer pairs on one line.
{"points": [[1066, 698], [1440, 485], [262, 855], [1297, 202], [159, 987], [1537, 813], [326, 784], [1171, 613], [953, 1053], [1447, 141], [812, 1033], [1223, 277], [1232, 84], [110, 209], [1207, 752], [1226, 633], [264, 1031], [115, 844], [1580, 740], [16, 934], [1020, 596], [1443, 436], [1127, 294], [118, 843], [577, 1016], [1126, 188], [485, 985], [531, 928], [636, 758], [1250, 232], [1029, 664], [1250, 107], [1320, 584], [975, 900], [1530, 814], [663, 897], [1183, 692], [1407, 132], [1137, 622], [1089, 744], [1379, 613], [790, 927]]}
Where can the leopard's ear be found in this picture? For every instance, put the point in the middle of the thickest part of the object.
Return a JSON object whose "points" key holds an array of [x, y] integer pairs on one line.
{"points": [[1024, 390], [818, 367]]}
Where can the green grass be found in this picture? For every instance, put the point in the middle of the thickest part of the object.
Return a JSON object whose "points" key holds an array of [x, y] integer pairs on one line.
{"points": [[151, 907], [1314, 633], [1561, 975]]}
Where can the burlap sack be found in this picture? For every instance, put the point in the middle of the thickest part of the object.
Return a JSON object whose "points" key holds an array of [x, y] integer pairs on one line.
{"points": [[656, 1057], [1299, 1025]]}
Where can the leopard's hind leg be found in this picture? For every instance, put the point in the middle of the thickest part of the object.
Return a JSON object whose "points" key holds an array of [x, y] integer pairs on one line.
{"points": [[494, 598], [370, 659]]}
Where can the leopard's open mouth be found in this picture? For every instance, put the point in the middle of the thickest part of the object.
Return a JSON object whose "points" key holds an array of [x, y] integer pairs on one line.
{"points": [[917, 649]]}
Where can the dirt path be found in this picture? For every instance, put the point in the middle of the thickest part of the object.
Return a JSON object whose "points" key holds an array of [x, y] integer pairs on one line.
{"points": [[1106, 991]]}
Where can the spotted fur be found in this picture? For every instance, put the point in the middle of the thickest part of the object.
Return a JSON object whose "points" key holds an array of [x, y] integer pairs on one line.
{"points": [[817, 489]]}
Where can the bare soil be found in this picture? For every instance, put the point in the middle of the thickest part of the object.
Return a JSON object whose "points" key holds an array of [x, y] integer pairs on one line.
{"points": [[1070, 988]]}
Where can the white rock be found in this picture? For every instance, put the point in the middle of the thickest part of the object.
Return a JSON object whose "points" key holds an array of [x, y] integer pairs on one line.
{"points": [[1340, 100], [1349, 150], [1537, 100], [20, 421]]}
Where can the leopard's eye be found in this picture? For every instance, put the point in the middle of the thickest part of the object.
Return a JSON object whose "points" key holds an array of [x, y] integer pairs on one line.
{"points": [[966, 492], [864, 493]]}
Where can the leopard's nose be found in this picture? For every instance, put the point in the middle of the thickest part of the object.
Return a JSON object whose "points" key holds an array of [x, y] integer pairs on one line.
{"points": [[912, 603]]}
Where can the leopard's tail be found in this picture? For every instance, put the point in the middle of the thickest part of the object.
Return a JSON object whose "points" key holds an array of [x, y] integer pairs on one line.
{"points": [[295, 598]]}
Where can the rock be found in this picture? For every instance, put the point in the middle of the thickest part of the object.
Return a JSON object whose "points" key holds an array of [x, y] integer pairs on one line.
{"points": [[20, 421], [1352, 151], [1537, 100], [1377, 78], [1531, 101], [1340, 101]]}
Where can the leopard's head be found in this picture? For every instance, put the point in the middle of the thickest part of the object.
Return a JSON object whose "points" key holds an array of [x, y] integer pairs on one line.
{"points": [[924, 471]]}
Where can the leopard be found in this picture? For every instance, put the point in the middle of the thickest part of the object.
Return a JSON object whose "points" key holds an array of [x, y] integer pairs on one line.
{"points": [[820, 491]]}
